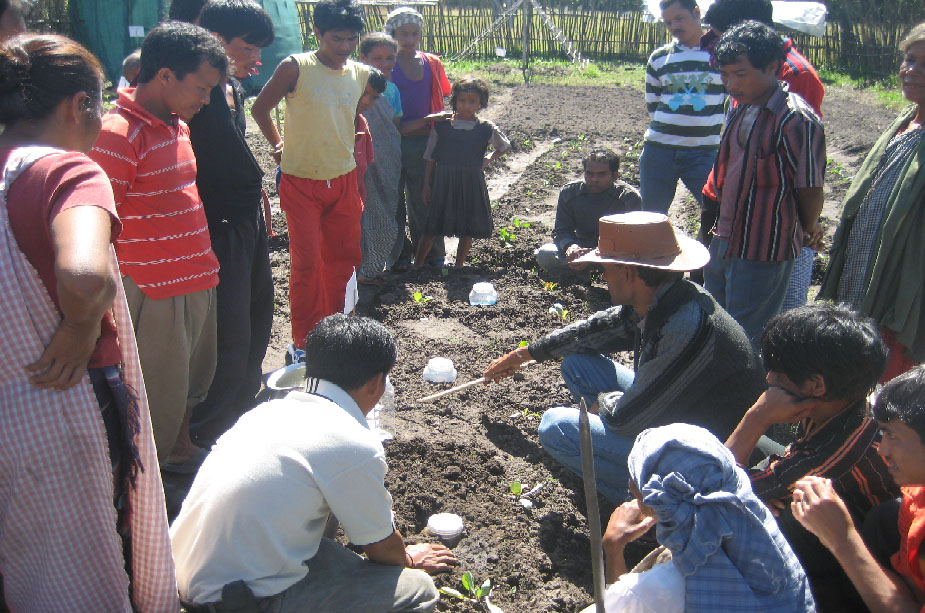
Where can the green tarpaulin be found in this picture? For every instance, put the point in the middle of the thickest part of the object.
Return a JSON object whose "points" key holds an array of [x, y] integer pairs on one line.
{"points": [[112, 29]]}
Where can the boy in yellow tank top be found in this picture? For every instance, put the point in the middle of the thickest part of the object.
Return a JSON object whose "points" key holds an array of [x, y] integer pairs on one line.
{"points": [[318, 189]]}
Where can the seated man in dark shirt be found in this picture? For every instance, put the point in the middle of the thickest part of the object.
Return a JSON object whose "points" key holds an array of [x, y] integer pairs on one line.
{"points": [[692, 361], [822, 362], [581, 205]]}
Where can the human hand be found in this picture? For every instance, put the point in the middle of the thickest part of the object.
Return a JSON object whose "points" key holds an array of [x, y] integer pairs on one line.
{"points": [[505, 366], [814, 238], [627, 523], [432, 558], [778, 406], [64, 361], [821, 510], [278, 153], [573, 253]]}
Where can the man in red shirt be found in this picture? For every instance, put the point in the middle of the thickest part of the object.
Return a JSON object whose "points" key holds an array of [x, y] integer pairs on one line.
{"points": [[769, 174], [165, 254], [801, 79], [898, 585]]}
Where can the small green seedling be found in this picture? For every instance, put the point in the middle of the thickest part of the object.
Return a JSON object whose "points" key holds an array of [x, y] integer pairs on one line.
{"points": [[421, 298], [469, 582], [528, 414], [516, 487], [507, 237], [517, 223], [550, 285], [559, 311], [523, 344], [478, 594]]}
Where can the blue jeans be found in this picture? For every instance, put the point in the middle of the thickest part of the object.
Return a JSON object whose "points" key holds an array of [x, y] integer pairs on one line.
{"points": [[660, 167], [587, 375], [752, 292]]}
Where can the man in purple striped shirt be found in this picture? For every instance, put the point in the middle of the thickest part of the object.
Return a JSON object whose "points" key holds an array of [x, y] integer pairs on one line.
{"points": [[769, 175]]}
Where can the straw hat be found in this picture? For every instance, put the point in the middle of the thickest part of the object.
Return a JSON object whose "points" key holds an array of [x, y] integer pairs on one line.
{"points": [[643, 238]]}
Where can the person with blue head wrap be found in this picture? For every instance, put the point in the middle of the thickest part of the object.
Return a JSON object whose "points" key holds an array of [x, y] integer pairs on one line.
{"points": [[724, 543]]}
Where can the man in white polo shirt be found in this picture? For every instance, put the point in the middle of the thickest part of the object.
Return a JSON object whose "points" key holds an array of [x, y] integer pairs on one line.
{"points": [[251, 529]]}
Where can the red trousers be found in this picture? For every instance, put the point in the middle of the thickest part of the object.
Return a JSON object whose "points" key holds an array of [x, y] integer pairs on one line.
{"points": [[324, 246]]}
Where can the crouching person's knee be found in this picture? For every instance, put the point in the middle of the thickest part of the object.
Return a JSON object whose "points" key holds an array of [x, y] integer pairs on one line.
{"points": [[415, 592]]}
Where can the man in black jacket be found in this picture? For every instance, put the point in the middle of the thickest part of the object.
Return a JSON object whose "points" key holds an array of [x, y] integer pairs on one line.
{"points": [[230, 184], [693, 362]]}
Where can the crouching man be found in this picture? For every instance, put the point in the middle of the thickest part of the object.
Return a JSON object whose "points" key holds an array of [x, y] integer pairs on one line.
{"points": [[250, 532]]}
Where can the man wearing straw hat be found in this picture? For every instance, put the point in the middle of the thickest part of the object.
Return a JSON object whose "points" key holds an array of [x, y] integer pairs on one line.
{"points": [[692, 361]]}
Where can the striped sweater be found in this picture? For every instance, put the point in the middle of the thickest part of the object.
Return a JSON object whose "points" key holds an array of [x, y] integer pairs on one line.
{"points": [[844, 449], [165, 246], [684, 96], [693, 362]]}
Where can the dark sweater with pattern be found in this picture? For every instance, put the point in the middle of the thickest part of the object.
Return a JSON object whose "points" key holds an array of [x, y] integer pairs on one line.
{"points": [[693, 362]]}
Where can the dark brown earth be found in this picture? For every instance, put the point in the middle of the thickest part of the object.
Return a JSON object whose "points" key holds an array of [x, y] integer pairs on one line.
{"points": [[460, 454]]}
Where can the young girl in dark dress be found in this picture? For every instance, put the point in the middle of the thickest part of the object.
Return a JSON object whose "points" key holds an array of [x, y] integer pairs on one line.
{"points": [[454, 184]]}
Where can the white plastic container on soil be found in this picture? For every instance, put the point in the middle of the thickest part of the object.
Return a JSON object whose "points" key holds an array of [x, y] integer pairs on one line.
{"points": [[440, 370], [483, 294], [448, 527], [381, 418]]}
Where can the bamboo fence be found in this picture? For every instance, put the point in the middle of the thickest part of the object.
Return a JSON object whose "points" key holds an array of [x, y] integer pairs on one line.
{"points": [[862, 49]]}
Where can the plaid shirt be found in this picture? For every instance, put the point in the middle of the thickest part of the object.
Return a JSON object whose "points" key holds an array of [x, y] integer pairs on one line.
{"points": [[785, 151], [60, 547]]}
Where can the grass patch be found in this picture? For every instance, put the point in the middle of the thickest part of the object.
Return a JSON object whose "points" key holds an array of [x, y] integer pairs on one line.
{"points": [[552, 72], [885, 91]]}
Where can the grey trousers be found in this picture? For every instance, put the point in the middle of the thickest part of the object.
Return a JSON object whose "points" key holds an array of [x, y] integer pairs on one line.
{"points": [[339, 580]]}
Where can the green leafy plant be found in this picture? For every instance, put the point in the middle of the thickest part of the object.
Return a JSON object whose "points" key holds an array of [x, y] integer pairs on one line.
{"points": [[477, 593], [517, 223], [550, 285], [421, 298], [528, 414], [516, 487], [559, 311], [507, 237], [523, 344]]}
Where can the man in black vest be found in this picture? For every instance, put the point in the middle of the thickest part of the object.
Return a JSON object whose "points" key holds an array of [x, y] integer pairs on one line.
{"points": [[230, 184]]}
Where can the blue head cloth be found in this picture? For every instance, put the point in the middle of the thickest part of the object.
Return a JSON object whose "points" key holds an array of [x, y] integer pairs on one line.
{"points": [[722, 538]]}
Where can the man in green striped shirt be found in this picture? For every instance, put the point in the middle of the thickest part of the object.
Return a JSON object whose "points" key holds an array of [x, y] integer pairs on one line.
{"points": [[685, 99]]}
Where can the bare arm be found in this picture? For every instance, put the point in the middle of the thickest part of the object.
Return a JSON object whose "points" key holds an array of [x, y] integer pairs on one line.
{"points": [[80, 238], [809, 206], [429, 557], [282, 82], [822, 512], [626, 524], [421, 126], [428, 175]]}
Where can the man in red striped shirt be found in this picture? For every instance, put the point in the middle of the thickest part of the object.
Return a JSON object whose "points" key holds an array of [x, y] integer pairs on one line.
{"points": [[769, 175], [822, 362], [165, 254]]}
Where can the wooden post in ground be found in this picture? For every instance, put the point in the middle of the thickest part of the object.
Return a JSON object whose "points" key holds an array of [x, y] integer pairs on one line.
{"points": [[527, 11]]}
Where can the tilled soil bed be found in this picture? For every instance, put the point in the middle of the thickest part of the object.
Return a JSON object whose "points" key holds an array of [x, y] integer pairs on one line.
{"points": [[461, 453]]}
